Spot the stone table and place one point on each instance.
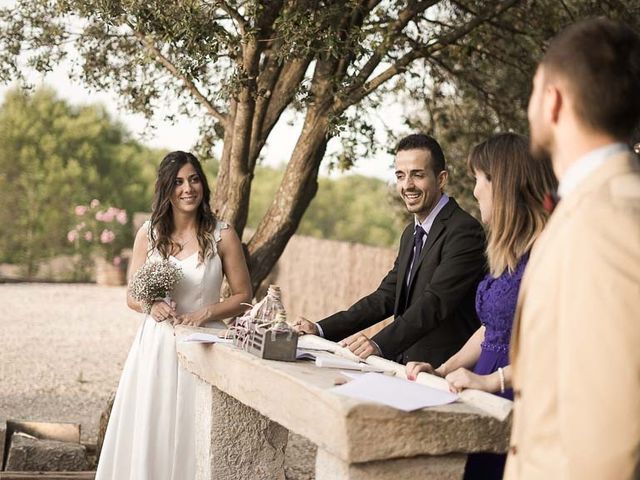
(245, 405)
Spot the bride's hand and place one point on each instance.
(161, 311)
(193, 319)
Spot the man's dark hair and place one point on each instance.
(601, 60)
(420, 141)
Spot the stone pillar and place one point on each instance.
(440, 467)
(234, 441)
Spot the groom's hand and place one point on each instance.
(361, 345)
(302, 326)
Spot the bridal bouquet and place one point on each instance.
(154, 281)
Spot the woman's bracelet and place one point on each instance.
(501, 375)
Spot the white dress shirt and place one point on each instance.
(581, 169)
(426, 226)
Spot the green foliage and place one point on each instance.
(53, 157)
(195, 52)
(481, 84)
(352, 208)
(239, 64)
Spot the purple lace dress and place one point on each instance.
(496, 300)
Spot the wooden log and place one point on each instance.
(62, 432)
(3, 437)
(47, 475)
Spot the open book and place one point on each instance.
(330, 360)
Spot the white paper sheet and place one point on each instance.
(394, 392)
(200, 337)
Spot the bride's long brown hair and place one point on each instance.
(162, 224)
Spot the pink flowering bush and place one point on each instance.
(101, 229)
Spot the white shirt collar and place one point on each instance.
(428, 222)
(581, 169)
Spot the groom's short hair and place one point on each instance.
(600, 59)
(420, 141)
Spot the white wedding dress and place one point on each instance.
(151, 431)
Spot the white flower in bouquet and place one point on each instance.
(154, 281)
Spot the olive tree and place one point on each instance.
(238, 65)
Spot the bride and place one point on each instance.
(150, 435)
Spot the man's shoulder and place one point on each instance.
(459, 217)
(618, 194)
(624, 188)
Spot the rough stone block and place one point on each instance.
(300, 458)
(27, 453)
(244, 444)
(441, 467)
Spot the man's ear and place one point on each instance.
(554, 103)
(443, 176)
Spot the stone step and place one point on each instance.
(27, 453)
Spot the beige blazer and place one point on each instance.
(576, 339)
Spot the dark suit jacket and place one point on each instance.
(440, 315)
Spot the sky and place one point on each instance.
(183, 134)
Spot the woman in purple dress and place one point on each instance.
(510, 187)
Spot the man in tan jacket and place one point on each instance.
(576, 340)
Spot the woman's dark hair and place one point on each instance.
(420, 141)
(162, 225)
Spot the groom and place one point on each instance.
(431, 288)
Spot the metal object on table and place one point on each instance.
(269, 344)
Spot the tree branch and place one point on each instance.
(356, 19)
(404, 18)
(505, 58)
(188, 83)
(253, 46)
(281, 94)
(508, 27)
(235, 15)
(401, 64)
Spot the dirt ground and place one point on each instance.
(62, 348)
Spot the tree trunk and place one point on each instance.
(298, 187)
(222, 183)
(232, 201)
